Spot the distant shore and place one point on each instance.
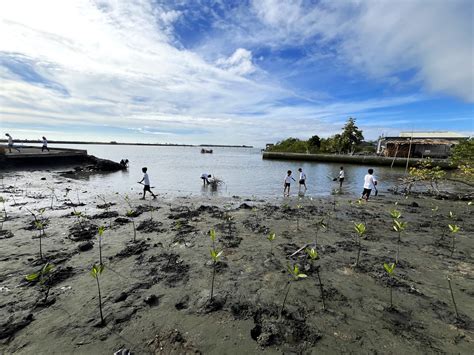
(27, 141)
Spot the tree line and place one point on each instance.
(349, 141)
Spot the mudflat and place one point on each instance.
(156, 290)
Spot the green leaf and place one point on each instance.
(101, 230)
(453, 228)
(47, 268)
(395, 214)
(97, 270)
(312, 253)
(360, 228)
(389, 268)
(271, 237)
(212, 235)
(32, 277)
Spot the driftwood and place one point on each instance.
(299, 250)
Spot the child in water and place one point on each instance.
(287, 183)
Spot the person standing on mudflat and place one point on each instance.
(287, 183)
(45, 145)
(146, 183)
(302, 180)
(369, 183)
(10, 143)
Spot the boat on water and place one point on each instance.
(206, 151)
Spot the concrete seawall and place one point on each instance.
(352, 159)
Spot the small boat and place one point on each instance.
(204, 151)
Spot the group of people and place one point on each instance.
(12, 146)
(370, 182)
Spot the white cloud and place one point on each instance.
(383, 38)
(240, 62)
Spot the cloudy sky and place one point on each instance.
(233, 72)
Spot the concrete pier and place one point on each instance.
(33, 156)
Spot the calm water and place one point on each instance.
(176, 171)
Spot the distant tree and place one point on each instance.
(350, 137)
(314, 143)
(291, 145)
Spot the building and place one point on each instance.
(419, 144)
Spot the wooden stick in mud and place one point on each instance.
(299, 250)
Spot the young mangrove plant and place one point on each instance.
(131, 214)
(271, 237)
(52, 196)
(389, 269)
(399, 227)
(321, 224)
(100, 231)
(452, 297)
(295, 276)
(433, 213)
(42, 278)
(215, 255)
(453, 229)
(39, 225)
(298, 209)
(96, 271)
(79, 216)
(360, 232)
(313, 256)
(3, 201)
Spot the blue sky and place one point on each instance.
(234, 72)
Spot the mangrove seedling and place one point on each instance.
(42, 278)
(321, 224)
(433, 213)
(360, 230)
(100, 231)
(295, 276)
(395, 214)
(95, 273)
(389, 268)
(131, 215)
(53, 196)
(399, 227)
(271, 237)
(452, 297)
(78, 215)
(215, 255)
(453, 229)
(212, 235)
(4, 210)
(313, 256)
(298, 208)
(39, 225)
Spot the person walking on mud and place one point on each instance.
(146, 183)
(10, 144)
(369, 183)
(45, 145)
(287, 183)
(302, 180)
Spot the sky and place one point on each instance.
(234, 72)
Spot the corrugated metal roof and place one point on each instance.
(432, 134)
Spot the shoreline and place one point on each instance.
(354, 159)
(156, 290)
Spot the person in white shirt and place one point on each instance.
(10, 143)
(205, 178)
(45, 145)
(341, 177)
(146, 184)
(369, 183)
(302, 180)
(287, 183)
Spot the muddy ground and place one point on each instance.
(155, 290)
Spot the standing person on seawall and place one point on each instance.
(45, 145)
(10, 143)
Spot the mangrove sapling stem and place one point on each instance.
(100, 303)
(321, 288)
(212, 282)
(96, 272)
(452, 297)
(134, 231)
(288, 286)
(389, 268)
(360, 230)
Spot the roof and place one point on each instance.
(420, 141)
(432, 134)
